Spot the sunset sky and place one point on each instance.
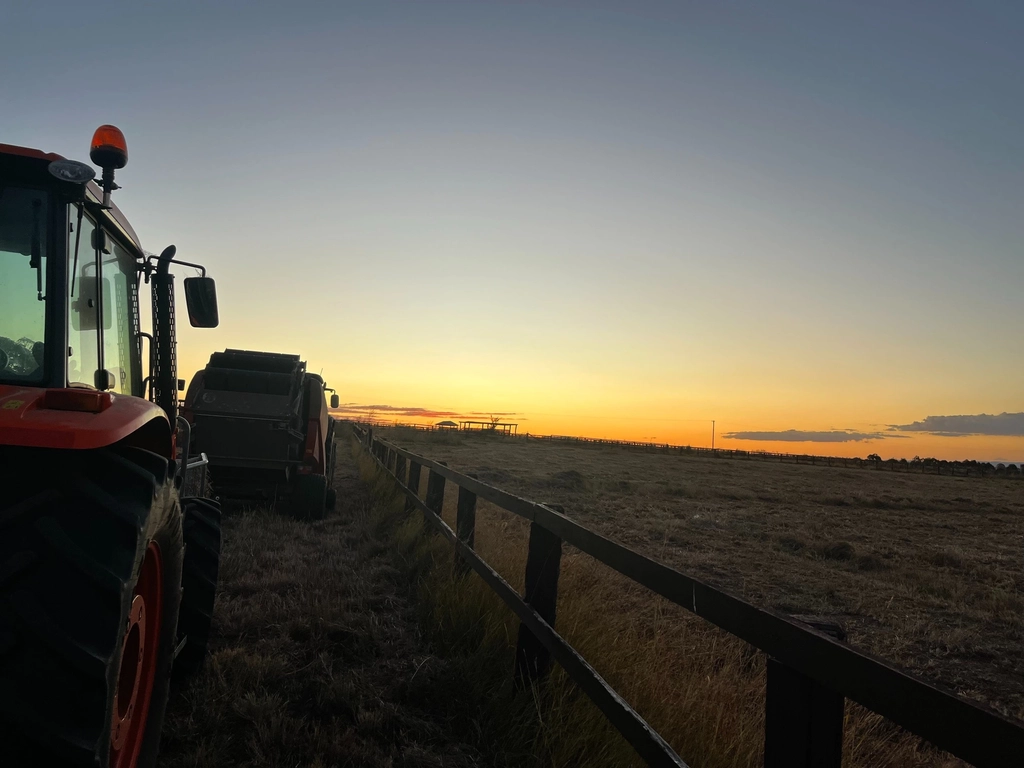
(803, 220)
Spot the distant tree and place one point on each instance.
(874, 457)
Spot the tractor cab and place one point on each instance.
(71, 267)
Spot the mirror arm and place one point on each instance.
(200, 267)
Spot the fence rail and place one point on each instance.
(810, 673)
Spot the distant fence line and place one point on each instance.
(921, 466)
(809, 672)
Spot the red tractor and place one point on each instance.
(107, 566)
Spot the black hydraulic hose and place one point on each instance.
(78, 241)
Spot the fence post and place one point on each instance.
(803, 725)
(465, 525)
(543, 562)
(400, 468)
(435, 492)
(414, 484)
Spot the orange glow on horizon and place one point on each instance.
(900, 445)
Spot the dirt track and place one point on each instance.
(317, 659)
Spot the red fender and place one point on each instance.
(314, 459)
(34, 417)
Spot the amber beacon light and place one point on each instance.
(109, 151)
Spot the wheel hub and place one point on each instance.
(139, 652)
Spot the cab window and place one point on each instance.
(23, 267)
(120, 285)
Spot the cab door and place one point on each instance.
(102, 311)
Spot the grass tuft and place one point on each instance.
(838, 550)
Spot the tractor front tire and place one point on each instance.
(90, 580)
(309, 500)
(201, 522)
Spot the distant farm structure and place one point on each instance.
(505, 427)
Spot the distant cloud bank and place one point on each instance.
(1003, 424)
(803, 436)
(396, 411)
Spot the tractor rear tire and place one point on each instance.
(201, 522)
(90, 580)
(309, 501)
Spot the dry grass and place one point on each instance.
(352, 641)
(317, 657)
(924, 570)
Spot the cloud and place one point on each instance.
(1003, 424)
(803, 436)
(395, 411)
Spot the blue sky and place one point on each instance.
(782, 216)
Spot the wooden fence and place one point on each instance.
(810, 673)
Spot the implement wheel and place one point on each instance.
(90, 579)
(201, 521)
(309, 499)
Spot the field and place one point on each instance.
(316, 656)
(353, 641)
(925, 571)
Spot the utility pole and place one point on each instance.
(712, 434)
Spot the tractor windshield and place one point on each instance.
(23, 263)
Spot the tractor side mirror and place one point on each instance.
(201, 299)
(335, 401)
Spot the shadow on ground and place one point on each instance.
(316, 655)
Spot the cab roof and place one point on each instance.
(93, 191)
